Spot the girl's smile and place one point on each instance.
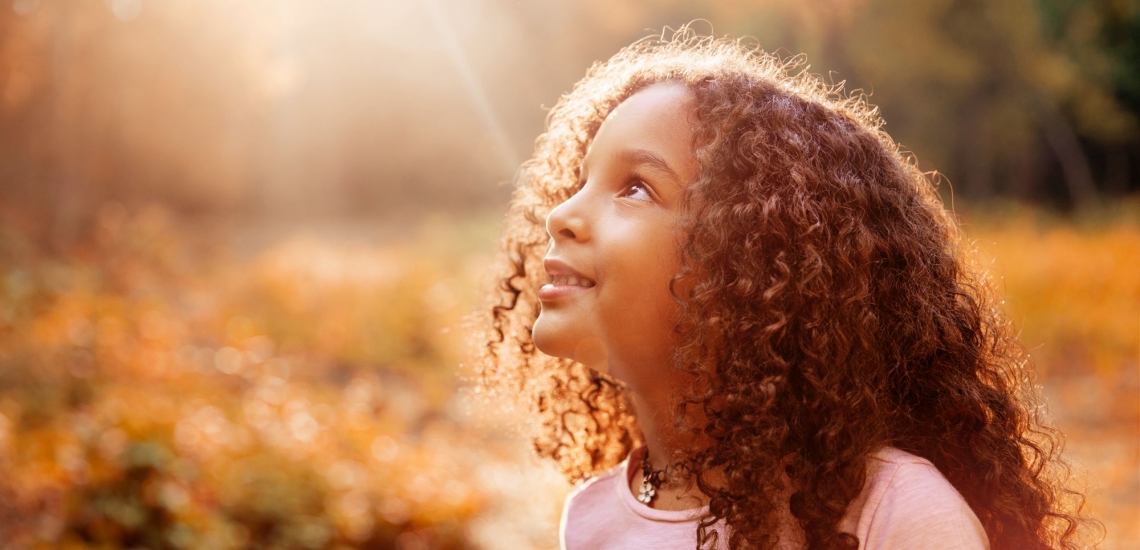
(614, 248)
(562, 281)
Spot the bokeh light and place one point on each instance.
(239, 239)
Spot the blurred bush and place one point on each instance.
(1072, 285)
(154, 396)
(1072, 288)
(156, 392)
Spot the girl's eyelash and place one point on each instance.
(636, 181)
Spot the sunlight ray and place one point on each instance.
(458, 57)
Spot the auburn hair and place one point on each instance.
(833, 307)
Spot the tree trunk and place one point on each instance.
(1063, 140)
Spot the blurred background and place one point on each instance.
(238, 239)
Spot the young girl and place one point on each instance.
(745, 320)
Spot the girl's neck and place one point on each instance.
(666, 444)
(663, 438)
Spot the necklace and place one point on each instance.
(650, 480)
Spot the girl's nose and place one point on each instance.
(567, 222)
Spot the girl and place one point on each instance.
(745, 320)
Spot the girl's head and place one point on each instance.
(749, 239)
(615, 245)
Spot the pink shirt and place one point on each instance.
(906, 504)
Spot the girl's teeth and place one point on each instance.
(571, 281)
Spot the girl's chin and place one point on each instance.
(551, 342)
(588, 350)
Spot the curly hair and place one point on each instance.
(832, 307)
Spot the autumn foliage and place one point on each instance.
(159, 393)
(156, 396)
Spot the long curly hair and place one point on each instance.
(832, 307)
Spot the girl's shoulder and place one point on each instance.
(601, 491)
(896, 473)
(600, 481)
(907, 503)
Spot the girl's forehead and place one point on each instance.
(653, 103)
(653, 127)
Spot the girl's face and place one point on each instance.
(614, 247)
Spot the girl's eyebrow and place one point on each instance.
(640, 157)
(653, 160)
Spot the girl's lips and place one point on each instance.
(564, 281)
(550, 292)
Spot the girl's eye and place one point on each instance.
(636, 190)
